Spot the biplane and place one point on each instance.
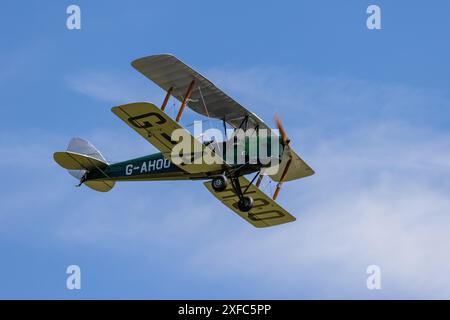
(224, 179)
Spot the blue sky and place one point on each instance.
(368, 110)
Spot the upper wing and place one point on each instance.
(207, 99)
(155, 126)
(265, 212)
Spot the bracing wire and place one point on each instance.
(206, 109)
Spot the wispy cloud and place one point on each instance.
(328, 103)
(114, 87)
(379, 195)
(359, 209)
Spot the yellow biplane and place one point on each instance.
(260, 152)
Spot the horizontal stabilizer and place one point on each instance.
(76, 161)
(81, 157)
(100, 185)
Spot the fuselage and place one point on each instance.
(158, 167)
(148, 168)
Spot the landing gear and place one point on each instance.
(219, 183)
(245, 204)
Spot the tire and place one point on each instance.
(219, 183)
(245, 204)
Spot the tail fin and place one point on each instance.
(82, 146)
(81, 156)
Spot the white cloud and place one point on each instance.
(353, 213)
(328, 102)
(379, 196)
(114, 87)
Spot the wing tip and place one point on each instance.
(273, 225)
(57, 156)
(137, 61)
(139, 103)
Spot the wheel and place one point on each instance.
(219, 183)
(245, 204)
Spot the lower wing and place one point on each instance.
(265, 212)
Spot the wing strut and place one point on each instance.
(260, 178)
(166, 99)
(277, 191)
(186, 97)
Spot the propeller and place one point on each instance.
(285, 142)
